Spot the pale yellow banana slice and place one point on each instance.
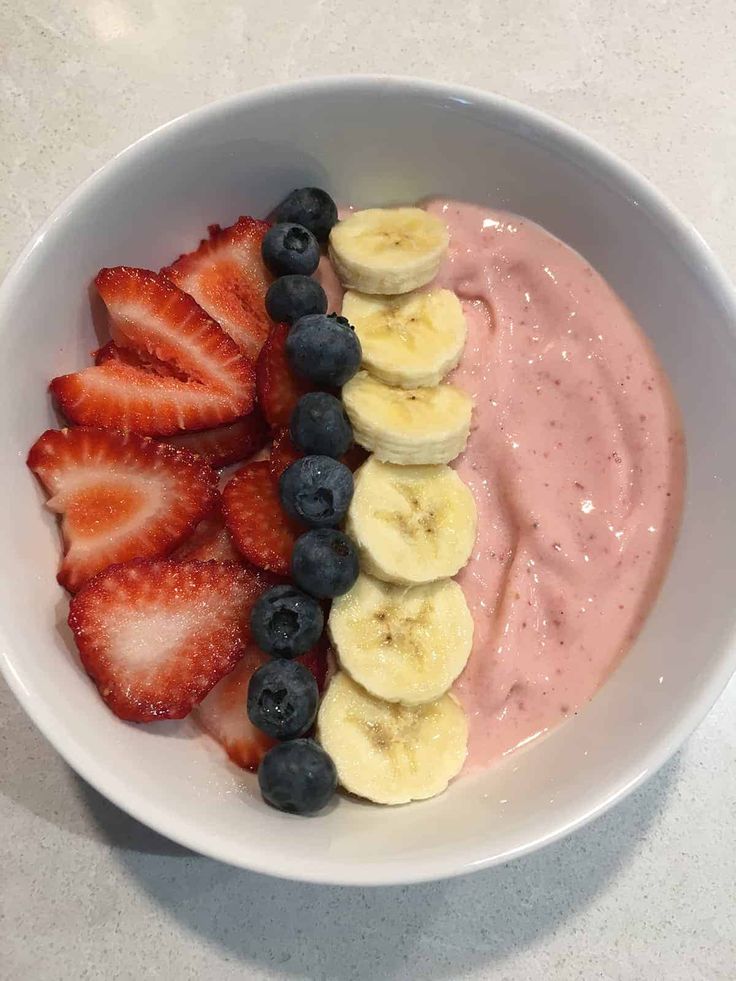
(411, 524)
(388, 250)
(408, 425)
(402, 643)
(387, 752)
(412, 340)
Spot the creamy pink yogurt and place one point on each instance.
(576, 461)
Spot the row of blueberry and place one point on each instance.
(297, 775)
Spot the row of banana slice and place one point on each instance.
(411, 339)
(404, 632)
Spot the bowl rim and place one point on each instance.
(439, 866)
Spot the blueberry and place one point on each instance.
(324, 349)
(292, 297)
(311, 207)
(324, 563)
(316, 490)
(282, 699)
(297, 777)
(319, 425)
(286, 622)
(289, 248)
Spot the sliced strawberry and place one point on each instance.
(255, 519)
(355, 457)
(316, 660)
(160, 321)
(210, 541)
(156, 636)
(111, 352)
(227, 278)
(119, 497)
(279, 389)
(132, 400)
(224, 445)
(283, 452)
(224, 716)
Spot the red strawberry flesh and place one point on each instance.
(227, 444)
(255, 519)
(158, 320)
(279, 389)
(227, 278)
(119, 497)
(119, 396)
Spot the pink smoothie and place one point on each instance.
(576, 461)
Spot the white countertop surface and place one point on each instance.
(649, 890)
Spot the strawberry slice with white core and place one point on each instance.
(116, 395)
(156, 636)
(119, 497)
(158, 320)
(227, 278)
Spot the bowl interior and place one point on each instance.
(374, 142)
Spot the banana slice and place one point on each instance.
(388, 250)
(411, 524)
(391, 753)
(411, 340)
(408, 425)
(402, 643)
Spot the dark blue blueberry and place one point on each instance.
(292, 297)
(311, 207)
(289, 248)
(319, 425)
(282, 699)
(324, 563)
(297, 777)
(316, 490)
(324, 349)
(286, 622)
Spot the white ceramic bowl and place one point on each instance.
(375, 141)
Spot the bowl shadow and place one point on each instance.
(300, 930)
(438, 929)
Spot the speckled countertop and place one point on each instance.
(649, 890)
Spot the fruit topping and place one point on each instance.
(290, 249)
(255, 519)
(227, 278)
(292, 297)
(298, 777)
(119, 497)
(286, 622)
(402, 643)
(324, 563)
(156, 636)
(408, 425)
(411, 524)
(388, 250)
(311, 207)
(282, 699)
(323, 348)
(227, 444)
(279, 389)
(316, 490)
(319, 425)
(388, 752)
(412, 340)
